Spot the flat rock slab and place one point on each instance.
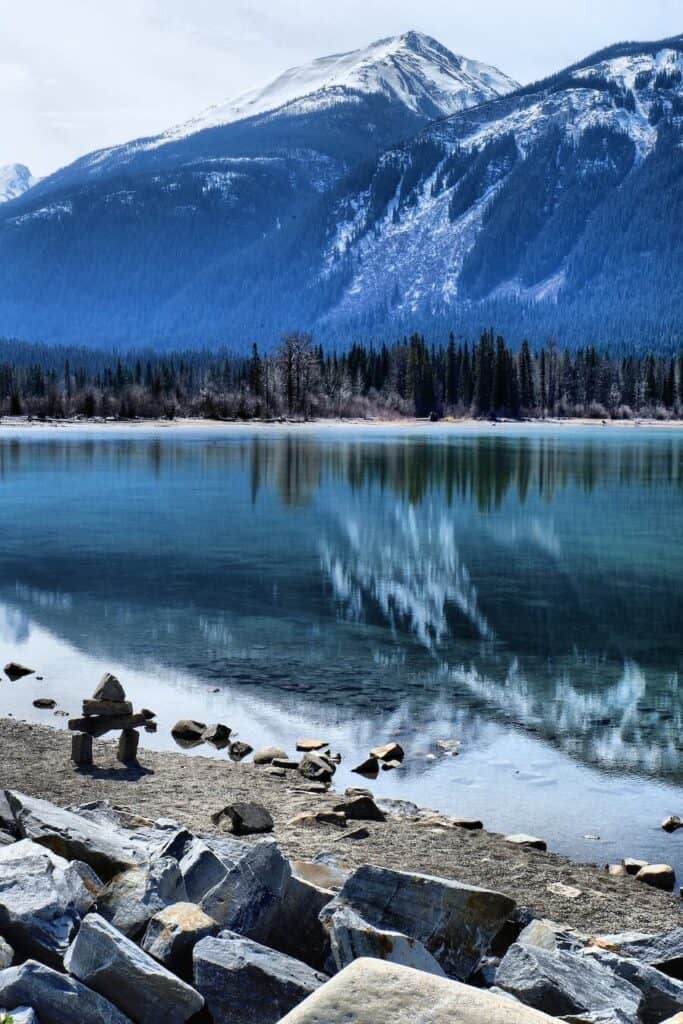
(246, 983)
(108, 708)
(374, 992)
(106, 849)
(109, 963)
(42, 900)
(56, 998)
(454, 922)
(99, 725)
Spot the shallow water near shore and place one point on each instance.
(517, 590)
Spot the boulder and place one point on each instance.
(109, 689)
(361, 808)
(351, 937)
(173, 933)
(107, 708)
(454, 922)
(663, 951)
(109, 963)
(56, 999)
(388, 752)
(561, 983)
(661, 996)
(531, 842)
(81, 748)
(238, 751)
(217, 735)
(188, 731)
(244, 819)
(254, 879)
(672, 823)
(42, 900)
(200, 867)
(659, 876)
(376, 992)
(368, 768)
(244, 982)
(127, 750)
(13, 670)
(266, 755)
(316, 768)
(134, 896)
(107, 850)
(632, 866)
(307, 746)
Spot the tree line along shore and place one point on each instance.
(300, 380)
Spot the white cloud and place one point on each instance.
(76, 75)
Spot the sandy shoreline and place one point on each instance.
(14, 424)
(36, 761)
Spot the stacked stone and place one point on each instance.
(107, 711)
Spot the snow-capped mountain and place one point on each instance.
(412, 69)
(371, 194)
(15, 179)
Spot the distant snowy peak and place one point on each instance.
(412, 69)
(15, 179)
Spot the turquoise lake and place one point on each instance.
(517, 589)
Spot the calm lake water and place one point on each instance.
(519, 590)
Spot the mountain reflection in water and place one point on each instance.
(526, 577)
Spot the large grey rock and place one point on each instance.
(453, 921)
(548, 935)
(562, 983)
(42, 900)
(134, 896)
(662, 950)
(352, 938)
(377, 992)
(662, 996)
(173, 933)
(6, 954)
(294, 926)
(254, 882)
(246, 983)
(107, 850)
(200, 867)
(56, 998)
(109, 963)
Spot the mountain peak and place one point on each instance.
(413, 69)
(15, 179)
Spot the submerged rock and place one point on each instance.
(238, 750)
(13, 670)
(455, 922)
(388, 752)
(56, 998)
(377, 992)
(188, 731)
(217, 735)
(369, 768)
(109, 963)
(44, 703)
(244, 982)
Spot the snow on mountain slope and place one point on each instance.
(410, 256)
(412, 69)
(15, 179)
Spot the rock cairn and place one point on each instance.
(108, 710)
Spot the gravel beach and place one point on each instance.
(36, 761)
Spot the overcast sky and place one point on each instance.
(79, 74)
